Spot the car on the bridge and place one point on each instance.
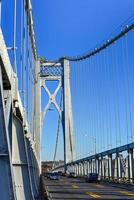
(48, 175)
(72, 175)
(92, 177)
(60, 173)
(54, 176)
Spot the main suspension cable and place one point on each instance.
(101, 47)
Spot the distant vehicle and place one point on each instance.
(64, 174)
(48, 175)
(60, 173)
(92, 177)
(72, 175)
(54, 176)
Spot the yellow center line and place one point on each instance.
(99, 186)
(127, 193)
(96, 196)
(75, 186)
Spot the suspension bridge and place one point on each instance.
(94, 100)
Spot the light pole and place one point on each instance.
(94, 140)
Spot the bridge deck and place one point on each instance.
(69, 188)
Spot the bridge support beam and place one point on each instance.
(113, 165)
(78, 168)
(37, 111)
(97, 165)
(131, 166)
(101, 168)
(32, 170)
(90, 166)
(7, 189)
(83, 168)
(119, 168)
(116, 171)
(67, 119)
(20, 163)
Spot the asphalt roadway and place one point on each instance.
(73, 188)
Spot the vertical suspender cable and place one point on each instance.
(96, 105)
(14, 37)
(117, 94)
(21, 51)
(125, 90)
(0, 11)
(58, 131)
(24, 57)
(114, 94)
(89, 104)
(128, 89)
(104, 99)
(107, 101)
(28, 71)
(99, 102)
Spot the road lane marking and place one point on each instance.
(100, 186)
(127, 193)
(96, 196)
(75, 186)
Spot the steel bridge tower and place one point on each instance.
(60, 72)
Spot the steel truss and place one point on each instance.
(112, 165)
(19, 169)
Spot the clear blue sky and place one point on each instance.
(71, 27)
(68, 27)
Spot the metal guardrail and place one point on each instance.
(109, 167)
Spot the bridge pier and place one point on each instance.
(110, 167)
(90, 166)
(131, 166)
(116, 167)
(86, 167)
(81, 169)
(97, 165)
(78, 168)
(67, 115)
(101, 168)
(119, 168)
(75, 168)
